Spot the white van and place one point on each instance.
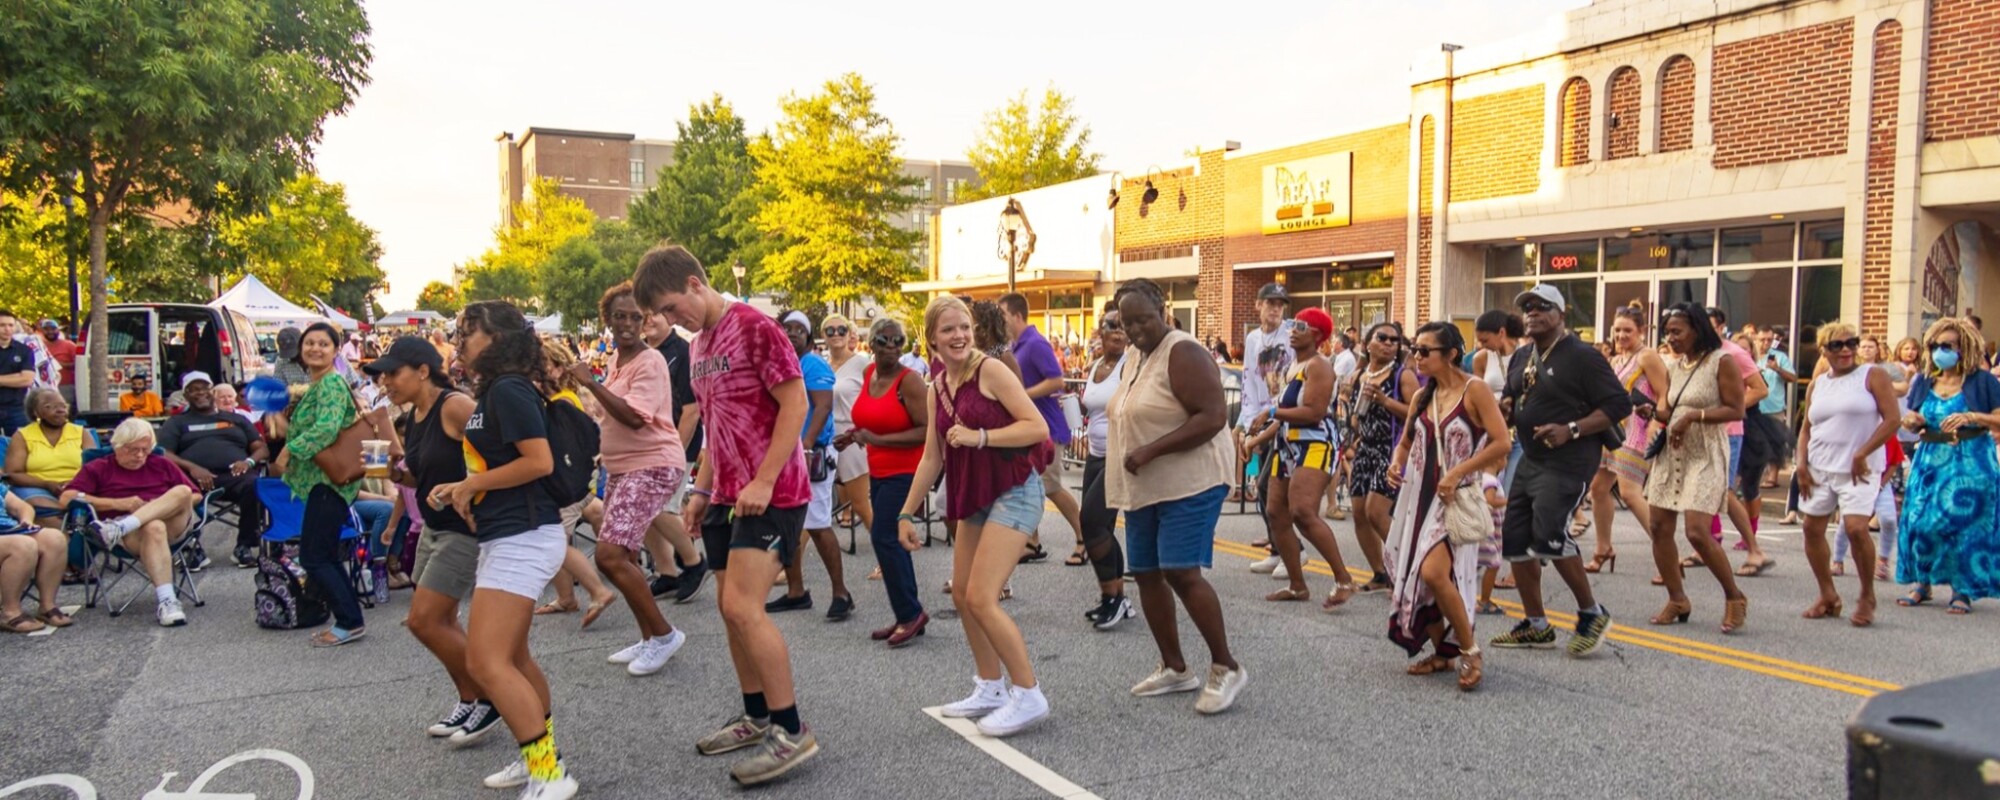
(167, 340)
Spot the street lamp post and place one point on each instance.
(738, 270)
(1020, 238)
(69, 249)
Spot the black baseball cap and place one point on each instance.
(406, 351)
(1274, 291)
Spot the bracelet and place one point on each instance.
(701, 492)
(982, 438)
(907, 518)
(1701, 416)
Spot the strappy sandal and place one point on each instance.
(1033, 552)
(1504, 582)
(554, 607)
(1864, 613)
(1916, 597)
(21, 623)
(1823, 609)
(1342, 592)
(1471, 669)
(1734, 614)
(1289, 595)
(1077, 558)
(1429, 666)
(1958, 605)
(1490, 608)
(590, 613)
(55, 618)
(1377, 584)
(1606, 562)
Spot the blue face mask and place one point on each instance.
(1944, 359)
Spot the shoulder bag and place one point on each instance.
(341, 460)
(1466, 518)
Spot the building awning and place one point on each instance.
(1319, 261)
(1031, 278)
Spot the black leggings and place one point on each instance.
(1099, 538)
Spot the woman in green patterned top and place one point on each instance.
(327, 408)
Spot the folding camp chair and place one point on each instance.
(100, 556)
(286, 516)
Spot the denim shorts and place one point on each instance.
(1020, 508)
(1176, 534)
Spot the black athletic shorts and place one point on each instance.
(777, 529)
(1539, 507)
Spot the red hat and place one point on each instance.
(1318, 320)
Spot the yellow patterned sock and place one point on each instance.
(540, 756)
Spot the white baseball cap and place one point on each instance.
(1546, 292)
(196, 375)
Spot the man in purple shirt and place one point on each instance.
(1042, 375)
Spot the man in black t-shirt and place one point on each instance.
(17, 373)
(219, 450)
(1566, 404)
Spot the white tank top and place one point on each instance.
(1844, 417)
(1097, 402)
(1496, 372)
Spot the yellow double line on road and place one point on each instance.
(1702, 651)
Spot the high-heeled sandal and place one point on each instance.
(1429, 666)
(1607, 562)
(1674, 613)
(1822, 609)
(1734, 613)
(1471, 669)
(1864, 613)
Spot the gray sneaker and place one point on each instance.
(1166, 681)
(1223, 685)
(736, 734)
(781, 753)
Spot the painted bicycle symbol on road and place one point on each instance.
(83, 789)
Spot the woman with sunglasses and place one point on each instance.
(1690, 476)
(1641, 371)
(1444, 450)
(1375, 403)
(890, 421)
(1100, 540)
(1850, 415)
(1303, 463)
(850, 471)
(1887, 501)
(1951, 517)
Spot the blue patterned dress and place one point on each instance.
(1951, 518)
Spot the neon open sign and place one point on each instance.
(1563, 263)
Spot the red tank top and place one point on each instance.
(882, 416)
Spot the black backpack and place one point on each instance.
(573, 443)
(285, 599)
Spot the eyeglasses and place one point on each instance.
(1946, 346)
(1843, 344)
(837, 330)
(1110, 325)
(888, 342)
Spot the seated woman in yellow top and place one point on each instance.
(45, 454)
(139, 402)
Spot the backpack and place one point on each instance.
(284, 601)
(573, 443)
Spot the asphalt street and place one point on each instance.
(1683, 711)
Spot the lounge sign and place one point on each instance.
(1308, 194)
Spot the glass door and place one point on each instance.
(1681, 290)
(1371, 310)
(1341, 309)
(1619, 294)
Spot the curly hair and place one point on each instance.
(515, 350)
(560, 358)
(1971, 345)
(989, 325)
(611, 295)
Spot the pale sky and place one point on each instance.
(1152, 80)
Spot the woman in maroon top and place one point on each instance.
(890, 419)
(990, 443)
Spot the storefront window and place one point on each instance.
(1760, 245)
(1660, 251)
(1510, 261)
(1819, 303)
(1760, 297)
(1569, 258)
(1308, 281)
(1822, 240)
(1381, 277)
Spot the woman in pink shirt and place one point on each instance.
(642, 451)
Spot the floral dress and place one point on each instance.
(1694, 476)
(1374, 432)
(1417, 525)
(1950, 531)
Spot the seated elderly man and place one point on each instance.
(29, 551)
(143, 503)
(219, 450)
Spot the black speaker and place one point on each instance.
(1930, 742)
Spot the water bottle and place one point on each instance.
(378, 574)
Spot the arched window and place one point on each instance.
(1621, 118)
(1676, 104)
(1573, 143)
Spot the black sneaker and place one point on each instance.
(1377, 584)
(842, 606)
(1590, 630)
(690, 581)
(245, 557)
(789, 603)
(1525, 635)
(1113, 611)
(663, 585)
(196, 559)
(477, 724)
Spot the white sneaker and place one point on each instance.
(658, 650)
(626, 655)
(1166, 681)
(1024, 708)
(986, 698)
(1280, 574)
(562, 788)
(1265, 566)
(170, 613)
(516, 774)
(110, 532)
(1223, 685)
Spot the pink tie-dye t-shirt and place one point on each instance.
(734, 365)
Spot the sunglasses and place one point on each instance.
(888, 342)
(1946, 346)
(1844, 344)
(1110, 325)
(1537, 308)
(1388, 339)
(837, 330)
(1425, 352)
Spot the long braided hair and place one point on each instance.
(1449, 338)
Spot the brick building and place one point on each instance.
(604, 170)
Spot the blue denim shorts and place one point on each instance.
(1020, 508)
(1176, 534)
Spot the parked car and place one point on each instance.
(167, 340)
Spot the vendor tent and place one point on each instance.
(344, 321)
(266, 309)
(549, 324)
(408, 319)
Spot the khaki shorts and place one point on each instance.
(447, 562)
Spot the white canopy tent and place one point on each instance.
(408, 319)
(267, 310)
(550, 324)
(344, 321)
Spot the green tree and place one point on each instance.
(699, 201)
(146, 104)
(581, 269)
(512, 269)
(833, 183)
(305, 242)
(441, 297)
(1021, 148)
(34, 274)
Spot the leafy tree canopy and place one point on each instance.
(1022, 147)
(700, 201)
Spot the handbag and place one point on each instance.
(1659, 442)
(1466, 519)
(341, 459)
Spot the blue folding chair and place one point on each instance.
(285, 517)
(99, 556)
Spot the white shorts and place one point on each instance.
(819, 512)
(523, 563)
(1837, 491)
(851, 463)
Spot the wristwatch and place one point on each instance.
(1574, 432)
